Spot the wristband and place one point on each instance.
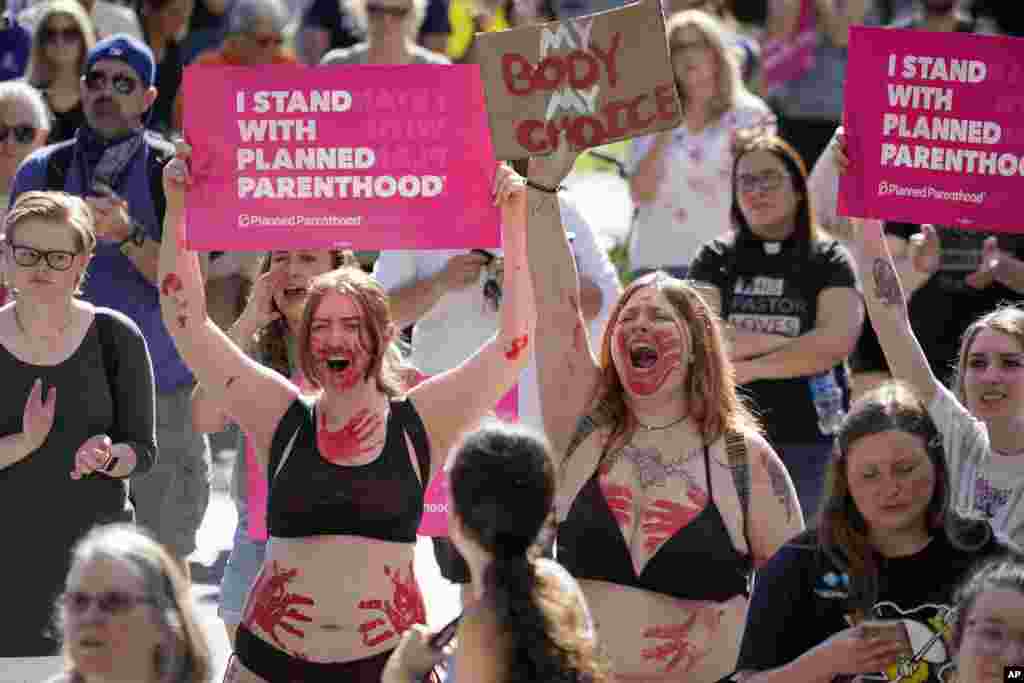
(542, 188)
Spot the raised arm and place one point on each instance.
(213, 358)
(567, 371)
(456, 400)
(887, 309)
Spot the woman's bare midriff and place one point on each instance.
(334, 598)
(655, 637)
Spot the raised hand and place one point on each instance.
(261, 311)
(987, 271)
(462, 270)
(92, 456)
(840, 155)
(181, 285)
(551, 170)
(177, 176)
(509, 192)
(37, 420)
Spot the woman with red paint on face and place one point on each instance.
(668, 494)
(347, 470)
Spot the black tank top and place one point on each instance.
(310, 496)
(699, 562)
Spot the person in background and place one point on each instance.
(789, 299)
(390, 37)
(15, 44)
(255, 36)
(990, 620)
(108, 18)
(162, 24)
(126, 613)
(78, 420)
(681, 179)
(529, 620)
(24, 128)
(59, 47)
(868, 593)
(114, 164)
(267, 329)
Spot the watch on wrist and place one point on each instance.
(137, 237)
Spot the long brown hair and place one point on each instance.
(39, 71)
(272, 340)
(805, 229)
(1006, 319)
(372, 299)
(843, 532)
(710, 388)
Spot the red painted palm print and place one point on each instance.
(620, 501)
(404, 609)
(355, 439)
(272, 607)
(684, 645)
(663, 518)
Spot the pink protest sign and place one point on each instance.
(934, 128)
(787, 58)
(367, 157)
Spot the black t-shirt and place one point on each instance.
(168, 81)
(800, 601)
(946, 305)
(773, 287)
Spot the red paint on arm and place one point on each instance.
(272, 607)
(665, 517)
(405, 608)
(171, 284)
(516, 346)
(352, 440)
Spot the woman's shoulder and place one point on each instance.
(356, 54)
(117, 320)
(425, 56)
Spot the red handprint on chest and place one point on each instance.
(404, 609)
(272, 607)
(358, 437)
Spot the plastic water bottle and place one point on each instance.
(828, 401)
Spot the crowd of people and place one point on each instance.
(825, 414)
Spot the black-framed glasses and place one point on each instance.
(97, 80)
(389, 10)
(65, 35)
(23, 134)
(767, 181)
(110, 603)
(56, 259)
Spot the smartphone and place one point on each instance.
(445, 635)
(483, 252)
(889, 629)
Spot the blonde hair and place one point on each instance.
(185, 656)
(54, 207)
(414, 22)
(1007, 319)
(730, 83)
(40, 70)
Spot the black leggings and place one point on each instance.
(274, 666)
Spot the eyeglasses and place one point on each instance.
(768, 181)
(110, 603)
(267, 41)
(23, 134)
(56, 259)
(389, 10)
(97, 80)
(64, 35)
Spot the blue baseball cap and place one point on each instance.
(129, 50)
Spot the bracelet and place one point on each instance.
(549, 190)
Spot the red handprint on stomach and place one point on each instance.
(682, 646)
(663, 518)
(403, 610)
(270, 604)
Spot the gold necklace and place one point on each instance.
(656, 428)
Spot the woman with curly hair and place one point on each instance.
(529, 620)
(266, 329)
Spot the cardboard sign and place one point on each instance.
(600, 78)
(366, 157)
(934, 129)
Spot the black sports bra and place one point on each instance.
(310, 496)
(699, 562)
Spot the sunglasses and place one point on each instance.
(27, 257)
(110, 603)
(389, 10)
(97, 80)
(65, 35)
(22, 134)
